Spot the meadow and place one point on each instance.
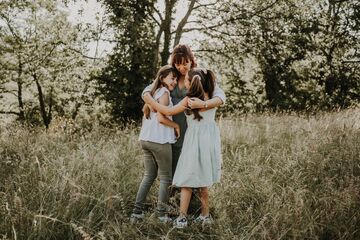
(285, 176)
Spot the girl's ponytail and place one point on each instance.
(202, 81)
(209, 84)
(196, 90)
(196, 86)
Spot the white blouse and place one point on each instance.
(152, 130)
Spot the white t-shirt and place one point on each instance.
(152, 130)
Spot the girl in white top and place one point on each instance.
(156, 136)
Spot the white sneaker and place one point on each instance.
(165, 219)
(136, 217)
(180, 222)
(204, 220)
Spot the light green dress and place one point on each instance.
(200, 159)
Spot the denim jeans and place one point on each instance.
(157, 160)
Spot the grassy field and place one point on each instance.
(284, 177)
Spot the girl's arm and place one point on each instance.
(217, 100)
(178, 108)
(164, 100)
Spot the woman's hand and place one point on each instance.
(194, 103)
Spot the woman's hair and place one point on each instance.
(182, 52)
(201, 81)
(158, 82)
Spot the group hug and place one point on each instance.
(179, 138)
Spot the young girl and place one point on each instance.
(156, 136)
(199, 164)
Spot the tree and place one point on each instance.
(131, 65)
(144, 37)
(44, 54)
(299, 48)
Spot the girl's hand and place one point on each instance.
(177, 132)
(194, 103)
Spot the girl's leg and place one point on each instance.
(148, 179)
(162, 153)
(204, 197)
(185, 200)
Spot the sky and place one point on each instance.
(85, 11)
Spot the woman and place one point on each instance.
(182, 58)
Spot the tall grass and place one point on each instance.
(284, 177)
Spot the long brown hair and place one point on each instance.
(182, 52)
(158, 82)
(201, 81)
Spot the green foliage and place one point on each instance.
(131, 65)
(279, 55)
(300, 50)
(284, 176)
(44, 68)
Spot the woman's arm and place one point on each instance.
(164, 100)
(217, 100)
(208, 104)
(178, 108)
(147, 91)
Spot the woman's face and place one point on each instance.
(170, 81)
(183, 67)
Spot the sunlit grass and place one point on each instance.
(284, 177)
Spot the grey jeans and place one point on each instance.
(157, 160)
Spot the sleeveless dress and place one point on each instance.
(200, 159)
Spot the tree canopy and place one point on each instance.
(278, 55)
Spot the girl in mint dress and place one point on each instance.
(199, 164)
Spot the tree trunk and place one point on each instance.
(157, 49)
(41, 102)
(20, 101)
(169, 6)
(49, 114)
(182, 23)
(19, 94)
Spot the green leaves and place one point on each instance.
(132, 65)
(44, 57)
(283, 38)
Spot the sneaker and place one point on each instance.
(136, 217)
(204, 219)
(165, 219)
(180, 222)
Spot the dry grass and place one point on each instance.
(284, 177)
